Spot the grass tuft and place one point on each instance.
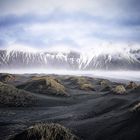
(119, 89)
(11, 96)
(45, 85)
(46, 132)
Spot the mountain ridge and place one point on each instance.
(72, 60)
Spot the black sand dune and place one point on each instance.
(103, 110)
(11, 96)
(44, 85)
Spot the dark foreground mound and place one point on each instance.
(44, 85)
(11, 96)
(46, 132)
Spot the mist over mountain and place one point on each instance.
(124, 59)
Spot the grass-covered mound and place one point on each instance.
(105, 85)
(131, 85)
(7, 78)
(81, 83)
(46, 132)
(119, 89)
(11, 96)
(45, 85)
(136, 90)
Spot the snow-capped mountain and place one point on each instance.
(126, 59)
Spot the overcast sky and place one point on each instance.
(72, 23)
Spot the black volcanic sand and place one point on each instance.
(94, 112)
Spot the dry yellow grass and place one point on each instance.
(104, 83)
(136, 108)
(46, 132)
(82, 83)
(45, 85)
(120, 89)
(87, 87)
(131, 85)
(11, 96)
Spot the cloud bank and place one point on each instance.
(74, 24)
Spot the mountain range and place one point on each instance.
(127, 59)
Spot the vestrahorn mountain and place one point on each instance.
(72, 60)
